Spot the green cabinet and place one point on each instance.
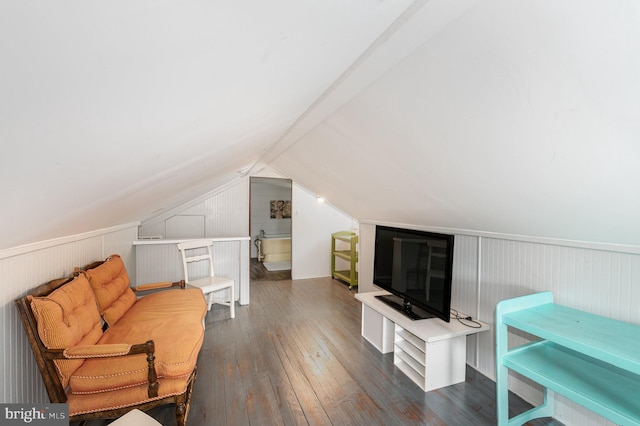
(344, 246)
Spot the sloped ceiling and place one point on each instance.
(113, 111)
(517, 118)
(501, 116)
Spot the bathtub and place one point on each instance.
(274, 248)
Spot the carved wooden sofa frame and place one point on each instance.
(157, 381)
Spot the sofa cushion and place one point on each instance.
(110, 282)
(172, 319)
(68, 317)
(94, 402)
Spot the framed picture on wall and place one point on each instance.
(280, 209)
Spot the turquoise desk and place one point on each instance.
(592, 360)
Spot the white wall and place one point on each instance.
(26, 267)
(226, 213)
(597, 278)
(223, 213)
(313, 223)
(158, 261)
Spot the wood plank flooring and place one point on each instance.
(294, 356)
(259, 273)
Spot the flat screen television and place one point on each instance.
(415, 267)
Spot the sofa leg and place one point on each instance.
(181, 414)
(183, 401)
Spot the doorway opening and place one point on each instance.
(270, 228)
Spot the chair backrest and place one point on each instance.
(194, 252)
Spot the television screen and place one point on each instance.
(415, 266)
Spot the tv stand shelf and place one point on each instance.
(431, 352)
(587, 358)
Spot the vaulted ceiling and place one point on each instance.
(500, 116)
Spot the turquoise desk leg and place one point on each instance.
(502, 373)
(502, 376)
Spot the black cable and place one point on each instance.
(474, 323)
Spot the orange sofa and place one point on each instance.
(104, 351)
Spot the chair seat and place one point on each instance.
(209, 284)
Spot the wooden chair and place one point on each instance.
(198, 252)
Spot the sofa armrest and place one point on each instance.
(97, 351)
(113, 350)
(160, 285)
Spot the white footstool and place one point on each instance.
(136, 417)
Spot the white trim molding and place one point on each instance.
(27, 248)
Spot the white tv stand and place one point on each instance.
(431, 352)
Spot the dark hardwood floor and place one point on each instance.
(294, 356)
(259, 273)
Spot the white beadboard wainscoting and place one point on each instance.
(598, 278)
(160, 260)
(23, 268)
